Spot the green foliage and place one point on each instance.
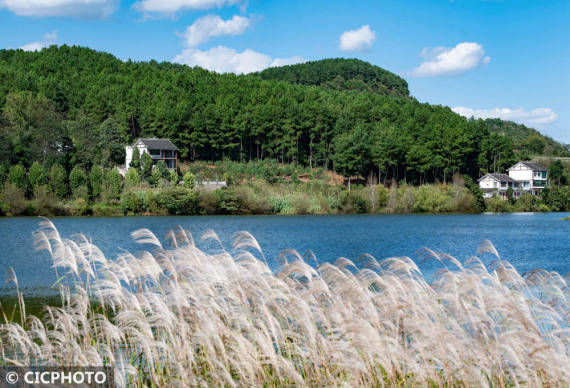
(478, 200)
(113, 185)
(227, 201)
(136, 161)
(189, 180)
(131, 202)
(209, 116)
(96, 181)
(3, 175)
(430, 199)
(496, 204)
(527, 203)
(17, 176)
(80, 207)
(173, 177)
(179, 200)
(159, 173)
(77, 180)
(557, 198)
(132, 178)
(511, 195)
(37, 176)
(146, 166)
(12, 200)
(556, 173)
(340, 74)
(58, 181)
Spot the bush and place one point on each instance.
(226, 201)
(173, 177)
(251, 202)
(496, 205)
(17, 176)
(281, 204)
(13, 201)
(132, 178)
(113, 185)
(131, 202)
(104, 209)
(429, 199)
(557, 198)
(179, 200)
(96, 181)
(37, 176)
(189, 180)
(527, 203)
(58, 181)
(47, 203)
(207, 201)
(77, 179)
(80, 207)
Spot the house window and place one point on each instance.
(495, 184)
(155, 152)
(503, 184)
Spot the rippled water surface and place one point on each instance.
(529, 241)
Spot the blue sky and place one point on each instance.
(508, 59)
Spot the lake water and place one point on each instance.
(527, 240)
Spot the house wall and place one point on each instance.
(520, 172)
(489, 183)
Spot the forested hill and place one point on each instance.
(527, 138)
(341, 74)
(74, 105)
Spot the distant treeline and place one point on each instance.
(76, 106)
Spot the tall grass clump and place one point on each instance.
(178, 316)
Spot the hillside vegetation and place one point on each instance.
(78, 107)
(341, 74)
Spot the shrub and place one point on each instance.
(251, 202)
(113, 185)
(47, 203)
(173, 177)
(226, 201)
(13, 200)
(496, 204)
(207, 201)
(146, 166)
(281, 204)
(58, 181)
(80, 207)
(151, 202)
(301, 204)
(557, 198)
(77, 179)
(96, 181)
(179, 200)
(3, 175)
(527, 203)
(37, 176)
(381, 195)
(132, 178)
(105, 209)
(131, 202)
(17, 176)
(189, 180)
(429, 199)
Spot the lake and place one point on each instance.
(527, 240)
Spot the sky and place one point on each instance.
(484, 58)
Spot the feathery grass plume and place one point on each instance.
(180, 316)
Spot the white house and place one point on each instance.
(523, 178)
(158, 149)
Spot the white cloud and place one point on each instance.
(170, 7)
(47, 8)
(357, 40)
(451, 61)
(534, 118)
(212, 25)
(47, 40)
(226, 60)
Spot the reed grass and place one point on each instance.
(178, 316)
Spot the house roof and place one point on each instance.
(532, 165)
(498, 177)
(157, 144)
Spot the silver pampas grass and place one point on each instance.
(181, 317)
